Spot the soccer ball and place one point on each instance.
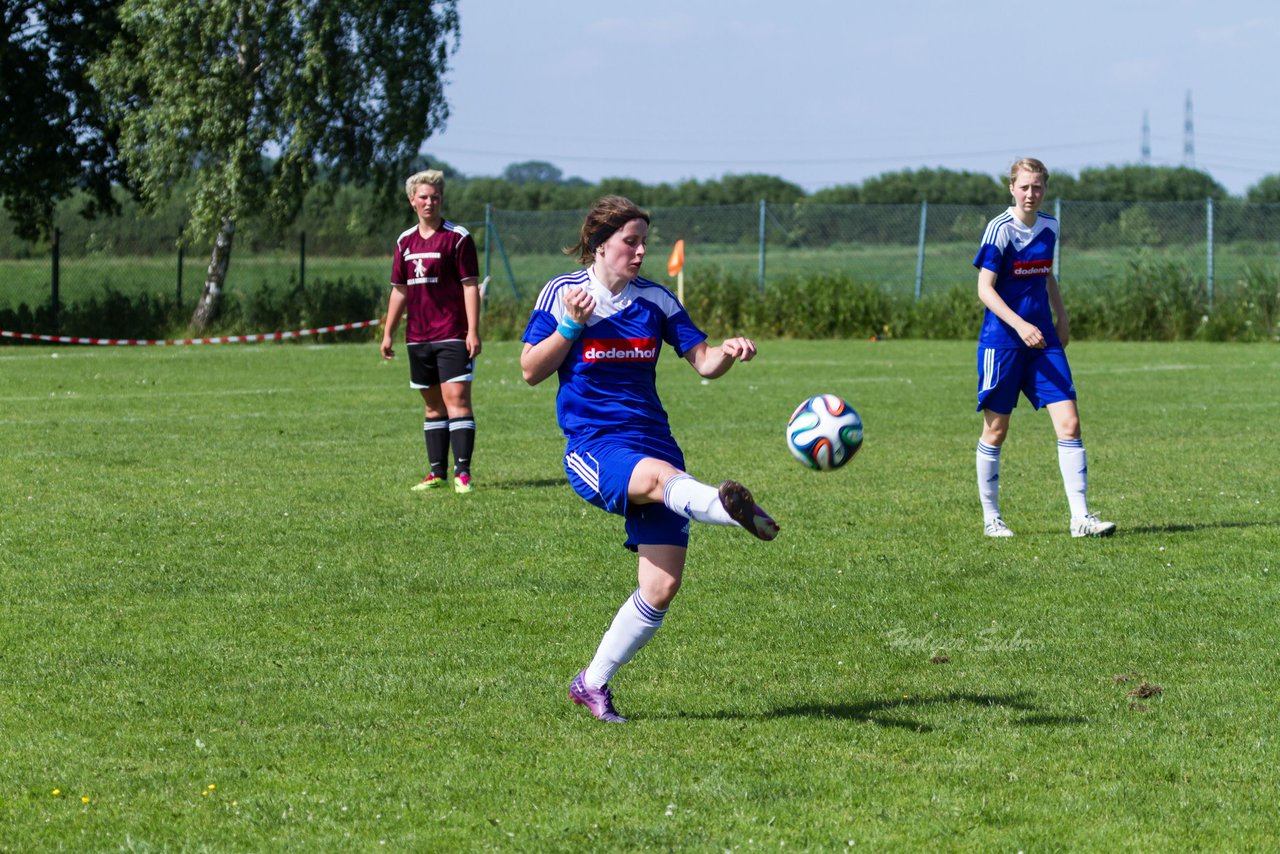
(824, 432)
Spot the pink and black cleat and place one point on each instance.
(599, 701)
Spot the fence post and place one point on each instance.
(1208, 210)
(924, 220)
(302, 260)
(1057, 244)
(179, 269)
(763, 212)
(488, 233)
(506, 261)
(55, 252)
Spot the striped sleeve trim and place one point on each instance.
(550, 294)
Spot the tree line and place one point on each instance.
(349, 218)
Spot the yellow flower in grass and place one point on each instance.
(56, 792)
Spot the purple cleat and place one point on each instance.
(744, 510)
(599, 701)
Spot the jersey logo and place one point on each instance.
(1032, 268)
(620, 350)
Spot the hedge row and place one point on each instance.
(1153, 301)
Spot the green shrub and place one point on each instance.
(1245, 310)
(1154, 301)
(952, 314)
(321, 303)
(108, 315)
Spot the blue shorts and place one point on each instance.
(600, 470)
(1042, 375)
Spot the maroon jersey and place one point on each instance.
(432, 270)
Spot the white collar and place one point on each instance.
(607, 303)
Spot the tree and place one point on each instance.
(936, 186)
(55, 138)
(751, 188)
(1265, 191)
(206, 90)
(842, 194)
(532, 172)
(1145, 184)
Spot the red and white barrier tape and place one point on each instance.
(229, 339)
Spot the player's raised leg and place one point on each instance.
(731, 503)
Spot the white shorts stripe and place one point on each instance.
(990, 369)
(588, 471)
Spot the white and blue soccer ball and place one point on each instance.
(824, 432)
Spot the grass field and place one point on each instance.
(227, 624)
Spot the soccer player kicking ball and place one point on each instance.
(601, 330)
(1021, 347)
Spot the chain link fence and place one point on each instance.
(907, 250)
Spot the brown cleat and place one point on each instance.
(744, 510)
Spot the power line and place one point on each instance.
(816, 161)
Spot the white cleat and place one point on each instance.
(1091, 526)
(996, 527)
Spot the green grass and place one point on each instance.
(228, 624)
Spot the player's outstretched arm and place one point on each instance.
(712, 362)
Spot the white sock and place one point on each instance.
(989, 480)
(695, 500)
(635, 623)
(1075, 475)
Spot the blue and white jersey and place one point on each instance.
(1021, 257)
(608, 379)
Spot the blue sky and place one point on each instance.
(825, 93)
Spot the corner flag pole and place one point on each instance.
(675, 267)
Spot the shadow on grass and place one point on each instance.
(894, 713)
(520, 483)
(1198, 526)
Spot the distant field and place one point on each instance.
(80, 278)
(228, 625)
(892, 267)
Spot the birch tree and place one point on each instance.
(241, 102)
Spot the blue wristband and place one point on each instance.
(570, 328)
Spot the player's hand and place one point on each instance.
(579, 305)
(1031, 336)
(1064, 331)
(387, 351)
(742, 349)
(473, 345)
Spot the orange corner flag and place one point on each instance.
(676, 262)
